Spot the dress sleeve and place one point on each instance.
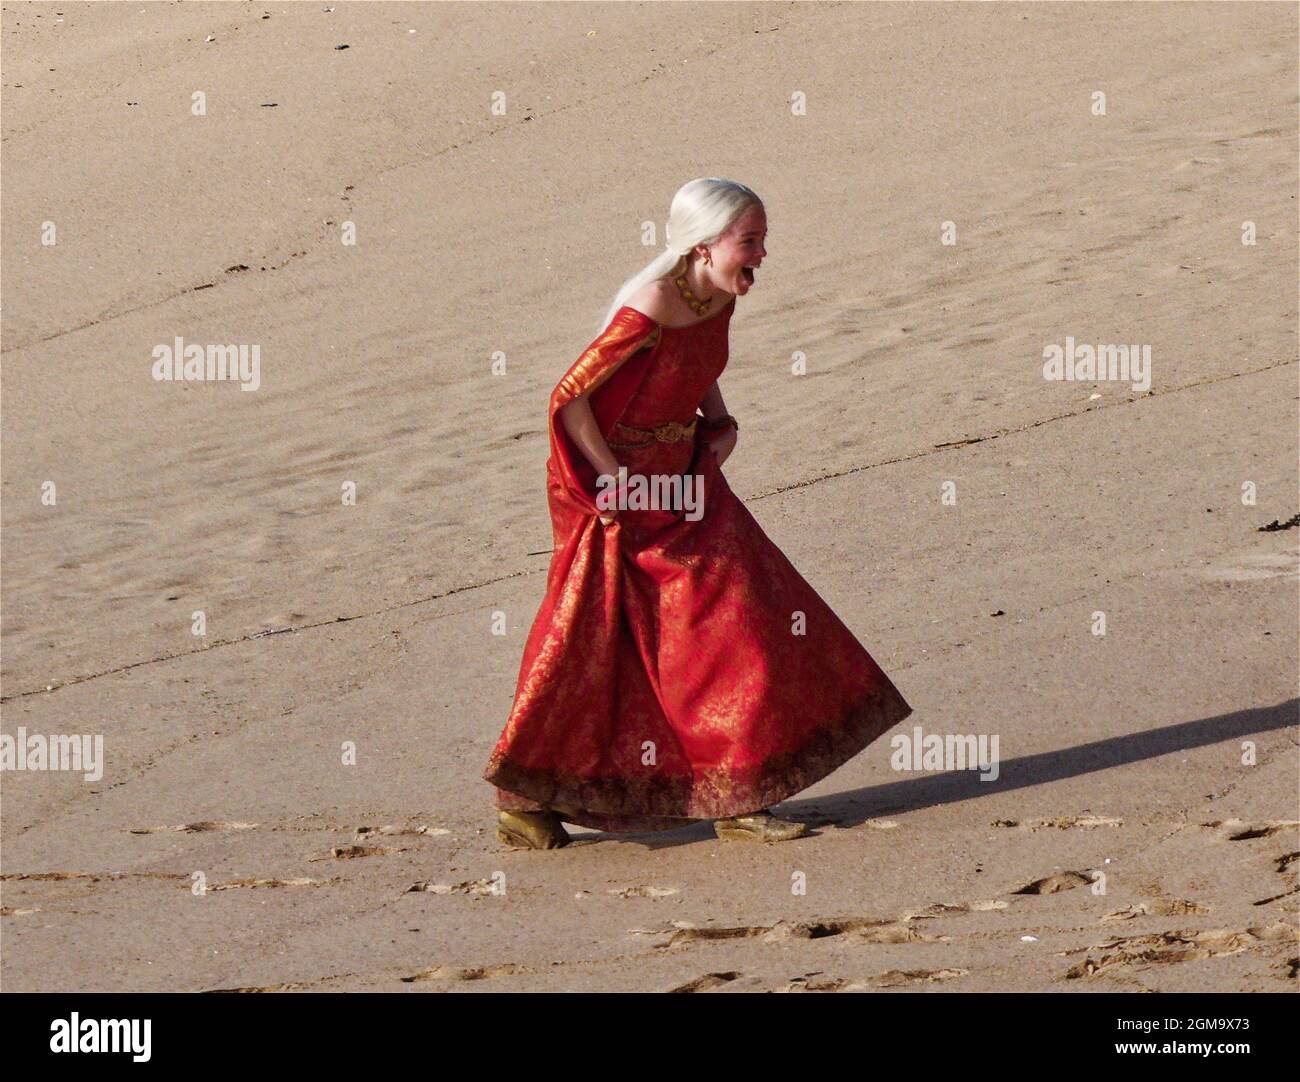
(628, 333)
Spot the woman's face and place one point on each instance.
(739, 248)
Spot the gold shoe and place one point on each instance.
(531, 830)
(759, 826)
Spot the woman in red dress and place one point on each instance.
(679, 667)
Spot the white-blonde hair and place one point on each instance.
(701, 211)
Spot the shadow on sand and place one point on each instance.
(854, 807)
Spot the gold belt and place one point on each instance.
(672, 432)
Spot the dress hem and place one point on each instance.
(658, 803)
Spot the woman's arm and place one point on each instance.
(580, 423)
(713, 408)
(722, 441)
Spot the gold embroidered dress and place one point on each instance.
(665, 677)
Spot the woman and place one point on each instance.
(679, 668)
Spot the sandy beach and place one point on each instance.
(291, 798)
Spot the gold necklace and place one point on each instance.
(685, 290)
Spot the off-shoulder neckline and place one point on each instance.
(685, 326)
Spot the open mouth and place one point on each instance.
(747, 273)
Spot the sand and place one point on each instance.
(1142, 832)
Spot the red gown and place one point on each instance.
(663, 679)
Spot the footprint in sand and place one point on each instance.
(1071, 822)
(1163, 948)
(252, 883)
(1239, 830)
(644, 892)
(475, 886)
(1158, 907)
(354, 852)
(465, 973)
(362, 833)
(893, 978)
(195, 828)
(703, 984)
(860, 929)
(1054, 884)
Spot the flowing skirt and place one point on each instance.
(681, 670)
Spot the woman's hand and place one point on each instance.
(723, 444)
